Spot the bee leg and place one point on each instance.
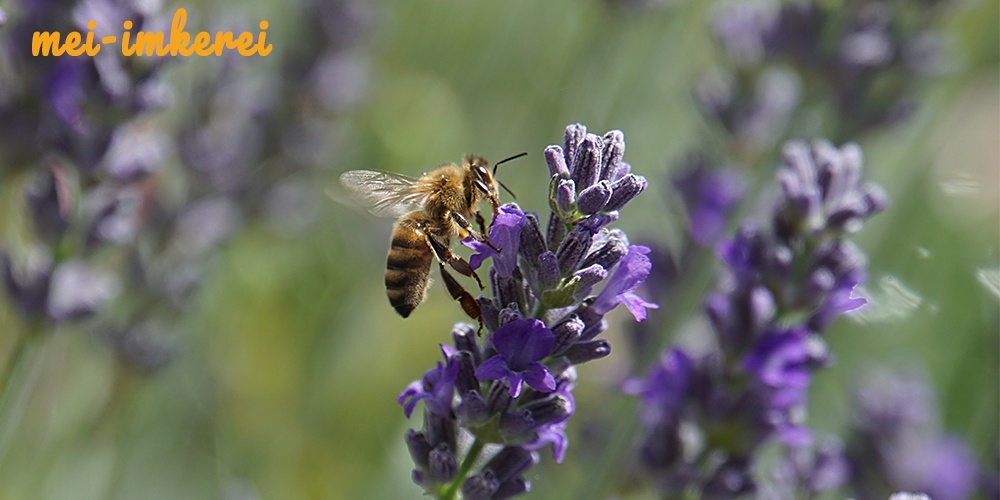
(476, 235)
(444, 254)
(464, 298)
(481, 222)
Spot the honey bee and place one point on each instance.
(430, 211)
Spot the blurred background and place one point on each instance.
(193, 310)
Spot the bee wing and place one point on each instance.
(384, 194)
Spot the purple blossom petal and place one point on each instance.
(664, 388)
(435, 389)
(410, 396)
(637, 305)
(516, 382)
(65, 91)
(539, 378)
(555, 434)
(523, 342)
(520, 344)
(505, 234)
(942, 467)
(795, 436)
(492, 369)
(779, 359)
(709, 195)
(631, 272)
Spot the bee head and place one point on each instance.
(479, 178)
(485, 181)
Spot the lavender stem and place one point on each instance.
(16, 363)
(463, 470)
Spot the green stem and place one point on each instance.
(463, 470)
(12, 365)
(15, 364)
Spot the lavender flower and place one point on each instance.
(865, 54)
(435, 389)
(512, 391)
(520, 344)
(99, 194)
(709, 195)
(897, 445)
(87, 137)
(784, 285)
(631, 272)
(505, 233)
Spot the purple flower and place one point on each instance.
(555, 434)
(897, 444)
(505, 234)
(786, 281)
(542, 319)
(943, 467)
(745, 29)
(746, 253)
(520, 345)
(840, 300)
(664, 388)
(782, 359)
(631, 272)
(891, 405)
(709, 195)
(77, 290)
(65, 90)
(853, 50)
(435, 389)
(822, 187)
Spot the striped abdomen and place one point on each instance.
(407, 268)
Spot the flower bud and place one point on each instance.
(480, 486)
(419, 449)
(566, 333)
(624, 189)
(573, 139)
(442, 464)
(510, 462)
(532, 243)
(548, 270)
(566, 196)
(587, 351)
(593, 199)
(611, 157)
(557, 162)
(587, 162)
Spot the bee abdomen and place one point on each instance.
(407, 269)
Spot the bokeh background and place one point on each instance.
(270, 363)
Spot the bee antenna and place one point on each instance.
(505, 160)
(505, 188)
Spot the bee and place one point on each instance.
(431, 211)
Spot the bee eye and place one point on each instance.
(481, 171)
